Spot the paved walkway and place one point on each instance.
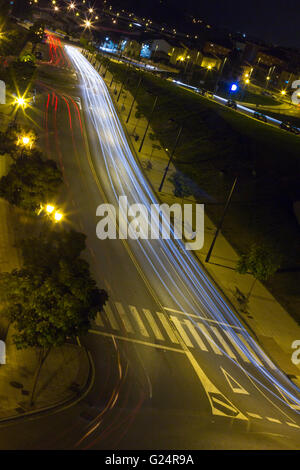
(274, 328)
(66, 370)
(63, 376)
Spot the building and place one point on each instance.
(220, 48)
(132, 49)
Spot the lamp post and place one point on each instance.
(134, 99)
(170, 159)
(220, 74)
(20, 102)
(148, 124)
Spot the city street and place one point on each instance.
(174, 367)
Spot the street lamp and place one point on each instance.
(24, 141)
(58, 216)
(170, 159)
(19, 102)
(87, 23)
(49, 208)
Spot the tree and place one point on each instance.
(53, 297)
(182, 185)
(31, 182)
(11, 140)
(261, 261)
(20, 75)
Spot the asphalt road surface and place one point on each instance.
(174, 368)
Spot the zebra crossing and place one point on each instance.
(177, 328)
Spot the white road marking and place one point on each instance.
(139, 321)
(293, 425)
(236, 346)
(181, 331)
(201, 318)
(124, 318)
(138, 341)
(213, 345)
(167, 327)
(98, 320)
(254, 415)
(273, 420)
(218, 401)
(249, 349)
(233, 383)
(223, 342)
(111, 318)
(153, 324)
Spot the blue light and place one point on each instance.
(145, 51)
(233, 87)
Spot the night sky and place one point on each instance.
(273, 21)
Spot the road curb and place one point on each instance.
(62, 405)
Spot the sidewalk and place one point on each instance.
(66, 370)
(272, 325)
(63, 376)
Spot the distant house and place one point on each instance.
(271, 57)
(218, 48)
(132, 49)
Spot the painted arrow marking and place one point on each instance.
(220, 405)
(234, 385)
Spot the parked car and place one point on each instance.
(287, 126)
(231, 104)
(260, 116)
(201, 91)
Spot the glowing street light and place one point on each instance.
(247, 81)
(87, 23)
(49, 208)
(20, 102)
(283, 92)
(25, 140)
(91, 10)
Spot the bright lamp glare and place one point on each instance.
(57, 216)
(25, 140)
(49, 208)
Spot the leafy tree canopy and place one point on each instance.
(30, 182)
(261, 261)
(53, 297)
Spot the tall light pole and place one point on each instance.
(133, 101)
(220, 74)
(170, 159)
(221, 221)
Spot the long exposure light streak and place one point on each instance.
(173, 273)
